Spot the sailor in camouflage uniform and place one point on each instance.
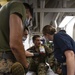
(38, 63)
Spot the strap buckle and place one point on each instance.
(63, 64)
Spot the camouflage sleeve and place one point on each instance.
(31, 49)
(48, 50)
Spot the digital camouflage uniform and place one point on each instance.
(55, 66)
(7, 59)
(38, 64)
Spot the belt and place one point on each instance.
(7, 55)
(63, 64)
(5, 50)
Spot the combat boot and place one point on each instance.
(17, 69)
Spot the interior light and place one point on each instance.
(65, 21)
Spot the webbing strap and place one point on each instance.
(5, 50)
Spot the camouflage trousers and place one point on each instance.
(5, 66)
(37, 67)
(42, 69)
(9, 66)
(49, 72)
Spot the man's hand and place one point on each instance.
(27, 65)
